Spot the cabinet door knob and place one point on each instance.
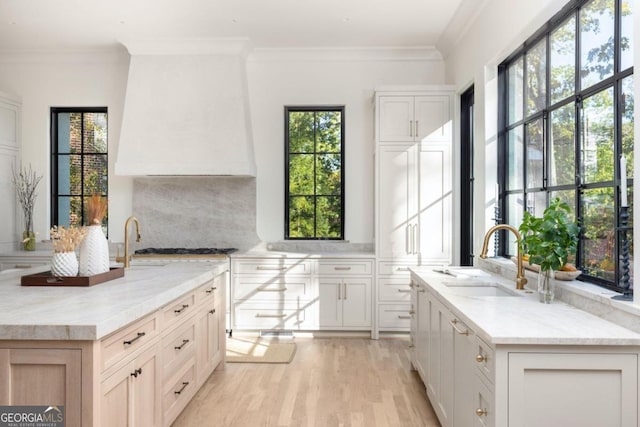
(481, 412)
(481, 358)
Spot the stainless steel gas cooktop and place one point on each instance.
(183, 253)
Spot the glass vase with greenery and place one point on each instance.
(26, 182)
(549, 241)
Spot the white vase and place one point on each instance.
(94, 252)
(64, 264)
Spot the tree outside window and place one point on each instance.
(314, 145)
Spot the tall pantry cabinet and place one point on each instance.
(413, 190)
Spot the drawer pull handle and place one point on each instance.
(342, 268)
(404, 291)
(184, 385)
(212, 311)
(272, 290)
(137, 372)
(180, 310)
(131, 341)
(211, 290)
(411, 345)
(481, 358)
(179, 347)
(454, 323)
(266, 267)
(404, 317)
(402, 269)
(22, 266)
(279, 316)
(481, 412)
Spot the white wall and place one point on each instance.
(498, 29)
(276, 78)
(280, 78)
(44, 80)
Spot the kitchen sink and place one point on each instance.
(480, 289)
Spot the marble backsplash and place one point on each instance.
(204, 211)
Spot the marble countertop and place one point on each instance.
(90, 313)
(522, 319)
(295, 255)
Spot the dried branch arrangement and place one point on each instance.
(66, 239)
(96, 209)
(26, 181)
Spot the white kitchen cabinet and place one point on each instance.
(9, 158)
(473, 383)
(273, 293)
(414, 118)
(441, 362)
(553, 389)
(413, 183)
(421, 324)
(302, 293)
(344, 303)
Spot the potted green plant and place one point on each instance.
(549, 241)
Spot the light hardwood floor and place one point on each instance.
(330, 382)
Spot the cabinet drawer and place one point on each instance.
(178, 346)
(345, 268)
(398, 269)
(265, 316)
(483, 404)
(177, 391)
(127, 340)
(272, 267)
(256, 288)
(484, 358)
(394, 289)
(210, 292)
(396, 317)
(178, 309)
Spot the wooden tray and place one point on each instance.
(46, 279)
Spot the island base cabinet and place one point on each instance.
(564, 384)
(43, 376)
(483, 404)
(130, 396)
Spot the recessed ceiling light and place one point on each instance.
(12, 22)
(234, 20)
(122, 22)
(346, 19)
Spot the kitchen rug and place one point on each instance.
(259, 350)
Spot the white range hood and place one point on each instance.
(186, 110)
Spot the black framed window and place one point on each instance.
(79, 162)
(314, 176)
(566, 119)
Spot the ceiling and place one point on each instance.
(91, 24)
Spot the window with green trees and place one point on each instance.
(566, 118)
(314, 194)
(79, 162)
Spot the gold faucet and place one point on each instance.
(126, 259)
(520, 279)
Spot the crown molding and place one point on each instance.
(356, 54)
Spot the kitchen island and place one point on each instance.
(490, 355)
(131, 351)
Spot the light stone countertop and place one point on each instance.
(516, 320)
(90, 313)
(297, 255)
